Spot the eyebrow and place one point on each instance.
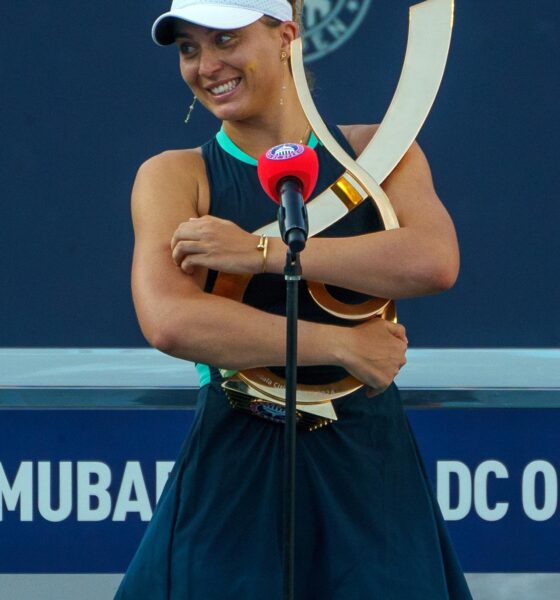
(186, 36)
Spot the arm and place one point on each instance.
(420, 258)
(179, 318)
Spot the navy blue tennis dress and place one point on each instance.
(368, 526)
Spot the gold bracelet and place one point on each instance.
(263, 247)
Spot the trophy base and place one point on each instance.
(308, 416)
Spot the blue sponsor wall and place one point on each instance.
(86, 97)
(498, 494)
(101, 446)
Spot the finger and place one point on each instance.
(185, 232)
(184, 248)
(177, 236)
(398, 331)
(192, 261)
(186, 267)
(373, 392)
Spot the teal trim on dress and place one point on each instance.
(228, 146)
(313, 140)
(203, 374)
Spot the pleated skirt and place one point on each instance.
(367, 524)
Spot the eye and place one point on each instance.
(187, 49)
(223, 38)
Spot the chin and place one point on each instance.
(229, 113)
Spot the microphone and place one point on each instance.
(288, 174)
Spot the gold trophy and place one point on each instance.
(260, 391)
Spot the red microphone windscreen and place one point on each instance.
(288, 160)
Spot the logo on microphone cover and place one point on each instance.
(285, 151)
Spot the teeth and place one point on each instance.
(225, 87)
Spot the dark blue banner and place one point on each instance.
(496, 473)
(78, 487)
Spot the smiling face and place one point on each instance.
(236, 73)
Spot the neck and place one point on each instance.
(281, 124)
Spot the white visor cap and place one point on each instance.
(217, 14)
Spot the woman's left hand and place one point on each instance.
(215, 244)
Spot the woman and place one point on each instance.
(367, 523)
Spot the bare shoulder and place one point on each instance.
(175, 179)
(359, 136)
(413, 162)
(172, 161)
(410, 186)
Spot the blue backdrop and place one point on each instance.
(506, 482)
(86, 97)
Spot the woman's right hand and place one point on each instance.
(373, 352)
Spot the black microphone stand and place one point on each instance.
(292, 275)
(292, 217)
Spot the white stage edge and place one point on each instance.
(484, 586)
(427, 368)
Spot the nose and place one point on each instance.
(209, 62)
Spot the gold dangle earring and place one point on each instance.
(191, 108)
(283, 60)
